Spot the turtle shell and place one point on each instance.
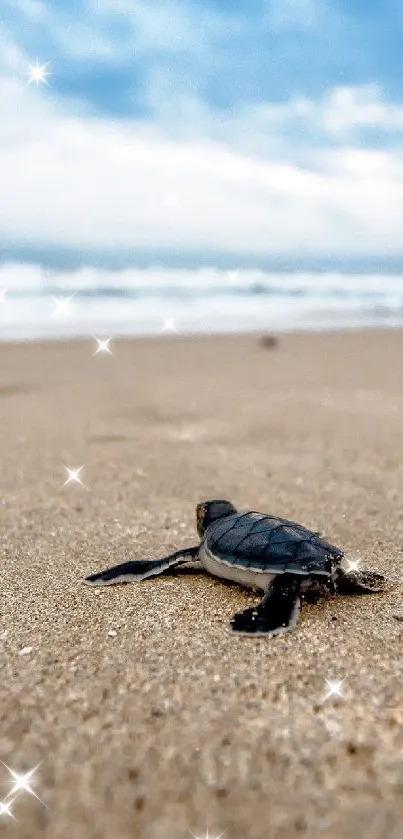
(270, 544)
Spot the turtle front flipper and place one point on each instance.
(136, 570)
(359, 582)
(278, 611)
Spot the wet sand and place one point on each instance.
(151, 719)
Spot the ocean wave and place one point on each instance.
(138, 302)
(91, 282)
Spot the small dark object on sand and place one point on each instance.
(399, 617)
(269, 342)
(277, 556)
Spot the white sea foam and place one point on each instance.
(139, 301)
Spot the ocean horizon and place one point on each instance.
(37, 304)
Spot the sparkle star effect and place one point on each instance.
(233, 275)
(73, 476)
(5, 809)
(103, 346)
(62, 305)
(208, 836)
(334, 688)
(352, 565)
(22, 782)
(169, 326)
(38, 74)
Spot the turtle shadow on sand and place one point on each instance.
(285, 560)
(186, 571)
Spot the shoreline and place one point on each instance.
(258, 332)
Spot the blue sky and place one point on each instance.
(266, 131)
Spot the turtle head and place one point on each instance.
(209, 511)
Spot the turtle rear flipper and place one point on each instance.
(278, 611)
(136, 570)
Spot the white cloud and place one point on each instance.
(73, 180)
(335, 117)
(299, 129)
(352, 107)
(146, 29)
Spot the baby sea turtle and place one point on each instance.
(278, 556)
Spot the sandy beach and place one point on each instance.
(151, 719)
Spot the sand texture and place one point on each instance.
(151, 719)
